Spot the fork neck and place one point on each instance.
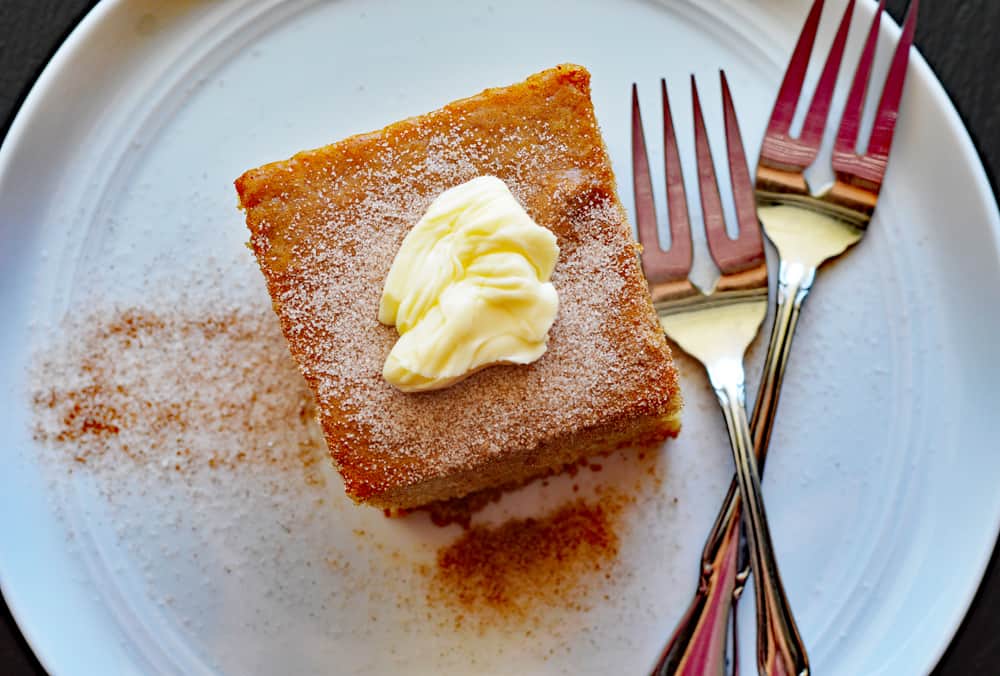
(795, 280)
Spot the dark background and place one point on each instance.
(957, 37)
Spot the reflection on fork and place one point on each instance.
(807, 230)
(716, 328)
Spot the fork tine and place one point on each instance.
(657, 264)
(708, 186)
(730, 255)
(677, 209)
(748, 247)
(850, 124)
(888, 107)
(791, 85)
(645, 209)
(779, 149)
(819, 109)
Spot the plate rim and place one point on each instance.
(12, 138)
(62, 56)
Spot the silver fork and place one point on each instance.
(716, 328)
(807, 230)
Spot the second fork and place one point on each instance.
(716, 328)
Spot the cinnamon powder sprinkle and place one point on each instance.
(498, 575)
(179, 391)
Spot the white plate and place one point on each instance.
(116, 178)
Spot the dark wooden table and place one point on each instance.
(958, 38)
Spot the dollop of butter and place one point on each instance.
(468, 288)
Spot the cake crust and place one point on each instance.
(325, 226)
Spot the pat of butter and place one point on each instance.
(469, 288)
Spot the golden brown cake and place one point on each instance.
(325, 226)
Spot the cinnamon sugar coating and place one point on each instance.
(325, 226)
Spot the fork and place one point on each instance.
(716, 328)
(806, 230)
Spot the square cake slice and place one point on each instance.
(325, 226)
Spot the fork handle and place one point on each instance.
(795, 280)
(698, 643)
(780, 651)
